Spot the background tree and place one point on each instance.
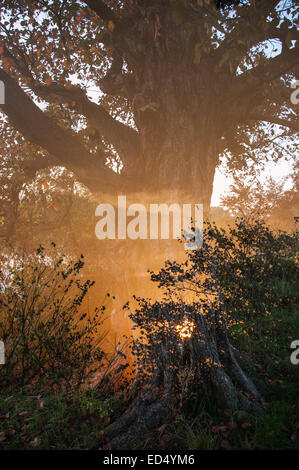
(273, 201)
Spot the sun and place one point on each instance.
(185, 329)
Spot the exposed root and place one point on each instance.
(156, 403)
(144, 418)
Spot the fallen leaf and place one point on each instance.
(246, 425)
(232, 425)
(42, 422)
(219, 428)
(225, 444)
(35, 442)
(111, 26)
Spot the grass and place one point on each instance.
(53, 422)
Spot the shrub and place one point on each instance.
(248, 267)
(48, 341)
(257, 267)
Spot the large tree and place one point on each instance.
(182, 82)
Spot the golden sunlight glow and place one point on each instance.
(185, 330)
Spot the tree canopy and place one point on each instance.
(136, 94)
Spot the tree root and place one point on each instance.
(156, 405)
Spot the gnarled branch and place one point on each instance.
(41, 130)
(124, 139)
(102, 10)
(294, 125)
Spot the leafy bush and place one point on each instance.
(247, 270)
(48, 341)
(257, 267)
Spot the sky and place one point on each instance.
(222, 182)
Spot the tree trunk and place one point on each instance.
(178, 362)
(177, 166)
(213, 367)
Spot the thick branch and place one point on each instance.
(246, 26)
(275, 120)
(249, 87)
(116, 82)
(273, 69)
(124, 139)
(40, 129)
(249, 32)
(119, 28)
(102, 10)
